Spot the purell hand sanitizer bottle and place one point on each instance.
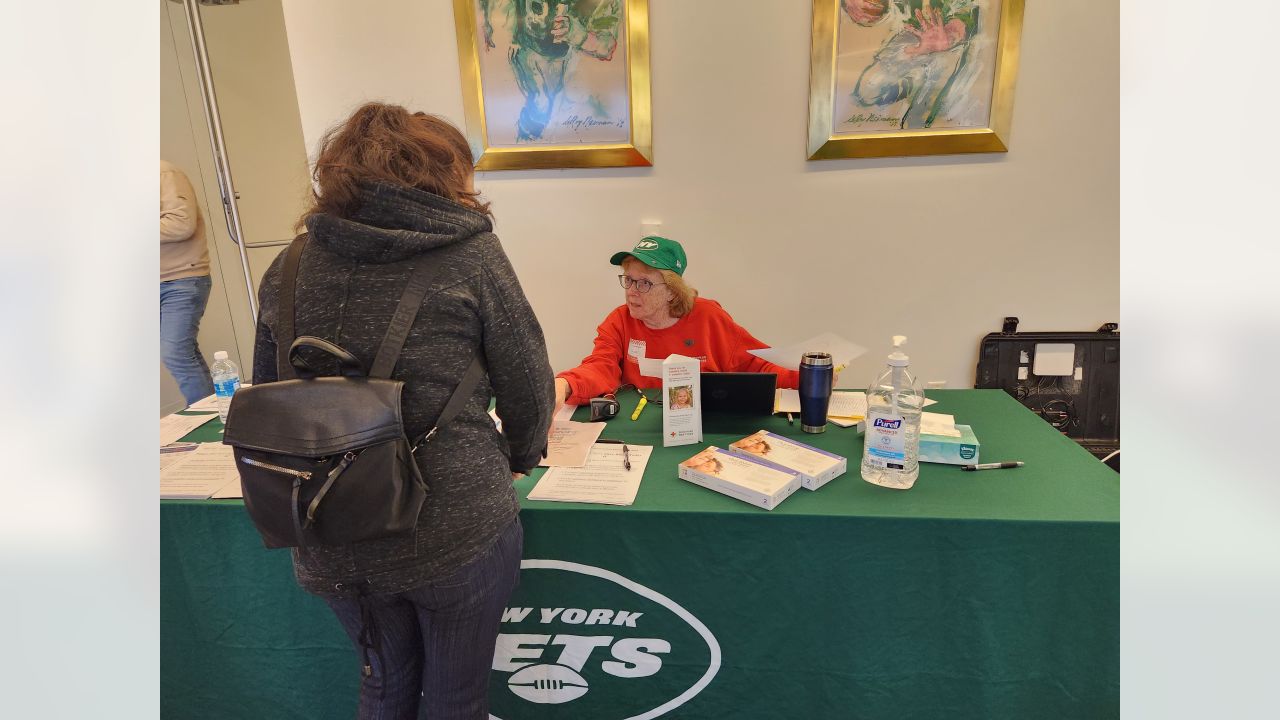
(891, 453)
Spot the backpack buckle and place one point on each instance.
(426, 438)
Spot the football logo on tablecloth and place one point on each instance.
(548, 684)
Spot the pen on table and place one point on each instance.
(993, 466)
(644, 400)
(626, 451)
(791, 420)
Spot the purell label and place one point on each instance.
(885, 440)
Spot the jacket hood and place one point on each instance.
(394, 223)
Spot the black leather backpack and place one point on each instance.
(325, 460)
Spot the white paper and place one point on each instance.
(569, 443)
(842, 351)
(650, 367)
(938, 424)
(230, 490)
(603, 480)
(200, 473)
(173, 427)
(565, 413)
(843, 404)
(168, 459)
(209, 404)
(847, 405)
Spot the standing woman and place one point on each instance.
(393, 190)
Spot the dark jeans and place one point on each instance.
(435, 643)
(182, 304)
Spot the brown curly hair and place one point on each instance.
(387, 143)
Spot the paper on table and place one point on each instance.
(569, 443)
(565, 413)
(209, 404)
(173, 427)
(844, 403)
(847, 405)
(230, 490)
(604, 479)
(200, 473)
(938, 424)
(842, 351)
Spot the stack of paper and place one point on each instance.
(200, 473)
(173, 427)
(938, 424)
(604, 478)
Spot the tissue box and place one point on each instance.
(950, 450)
(744, 478)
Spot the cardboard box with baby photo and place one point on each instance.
(738, 476)
(814, 466)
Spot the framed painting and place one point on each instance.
(555, 84)
(912, 77)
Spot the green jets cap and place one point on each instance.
(656, 252)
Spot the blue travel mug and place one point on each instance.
(815, 391)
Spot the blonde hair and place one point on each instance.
(682, 293)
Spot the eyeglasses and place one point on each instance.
(643, 286)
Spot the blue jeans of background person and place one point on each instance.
(434, 644)
(182, 304)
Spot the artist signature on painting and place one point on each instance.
(577, 122)
(862, 118)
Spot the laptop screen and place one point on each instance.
(738, 393)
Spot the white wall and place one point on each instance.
(791, 248)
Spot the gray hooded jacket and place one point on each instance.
(350, 279)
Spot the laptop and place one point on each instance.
(738, 393)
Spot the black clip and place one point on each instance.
(1010, 326)
(603, 408)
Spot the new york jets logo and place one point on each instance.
(646, 245)
(610, 646)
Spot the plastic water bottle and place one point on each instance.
(226, 380)
(891, 453)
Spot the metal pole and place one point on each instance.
(221, 163)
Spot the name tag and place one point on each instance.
(635, 350)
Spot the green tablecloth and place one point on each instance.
(973, 595)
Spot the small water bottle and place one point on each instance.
(226, 380)
(891, 449)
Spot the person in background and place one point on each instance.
(662, 315)
(184, 283)
(395, 189)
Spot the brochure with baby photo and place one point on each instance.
(681, 401)
(816, 467)
(740, 476)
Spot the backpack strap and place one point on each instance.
(285, 332)
(406, 312)
(461, 394)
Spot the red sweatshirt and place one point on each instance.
(706, 333)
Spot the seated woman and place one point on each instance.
(662, 316)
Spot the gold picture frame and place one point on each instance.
(528, 151)
(826, 141)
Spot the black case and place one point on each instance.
(1087, 409)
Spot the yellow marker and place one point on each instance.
(639, 406)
